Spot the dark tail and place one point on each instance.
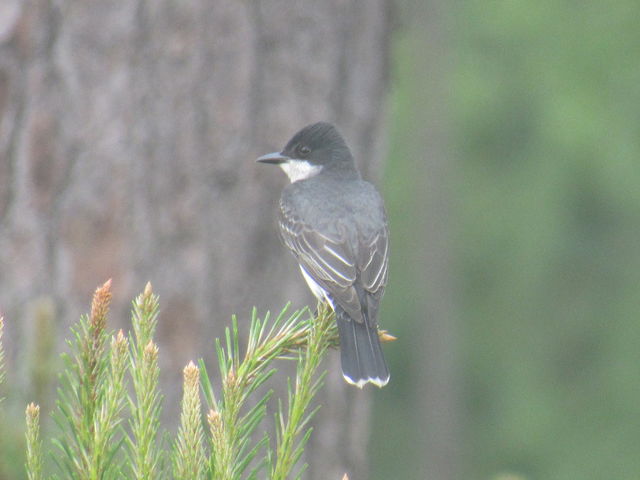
(361, 353)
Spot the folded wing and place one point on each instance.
(349, 265)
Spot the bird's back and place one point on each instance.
(352, 207)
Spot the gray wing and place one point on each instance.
(351, 268)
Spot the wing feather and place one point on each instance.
(375, 268)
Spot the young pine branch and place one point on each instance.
(231, 429)
(100, 440)
(293, 431)
(91, 397)
(145, 455)
(189, 455)
(34, 444)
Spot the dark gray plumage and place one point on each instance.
(334, 223)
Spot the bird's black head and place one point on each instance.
(319, 144)
(315, 148)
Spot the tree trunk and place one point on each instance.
(128, 133)
(437, 393)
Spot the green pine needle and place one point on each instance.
(320, 336)
(286, 336)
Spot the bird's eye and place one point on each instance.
(303, 150)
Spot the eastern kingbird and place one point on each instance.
(335, 224)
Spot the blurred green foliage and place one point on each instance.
(544, 104)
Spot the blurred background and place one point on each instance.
(505, 136)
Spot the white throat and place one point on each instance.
(299, 169)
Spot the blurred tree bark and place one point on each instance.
(421, 298)
(437, 384)
(128, 131)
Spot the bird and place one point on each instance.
(335, 224)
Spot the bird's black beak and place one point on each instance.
(275, 158)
